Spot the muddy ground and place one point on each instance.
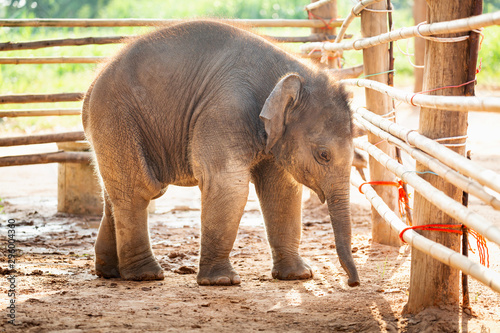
(57, 290)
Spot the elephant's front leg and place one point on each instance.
(280, 198)
(223, 201)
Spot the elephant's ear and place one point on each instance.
(284, 94)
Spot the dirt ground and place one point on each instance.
(58, 292)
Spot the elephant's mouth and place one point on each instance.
(311, 183)
(319, 192)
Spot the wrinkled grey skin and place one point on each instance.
(203, 103)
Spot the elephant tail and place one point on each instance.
(86, 110)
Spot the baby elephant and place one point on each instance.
(207, 104)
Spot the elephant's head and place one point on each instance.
(309, 131)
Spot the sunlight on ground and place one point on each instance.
(312, 286)
(293, 298)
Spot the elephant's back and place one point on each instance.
(192, 48)
(183, 55)
(199, 38)
(164, 85)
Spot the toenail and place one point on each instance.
(223, 281)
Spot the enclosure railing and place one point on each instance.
(87, 23)
(460, 25)
(441, 161)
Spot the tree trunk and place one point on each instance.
(419, 13)
(376, 60)
(433, 283)
(326, 12)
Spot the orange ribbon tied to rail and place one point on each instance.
(482, 248)
(327, 24)
(403, 200)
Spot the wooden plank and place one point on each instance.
(9, 46)
(33, 45)
(52, 60)
(41, 98)
(264, 23)
(349, 72)
(305, 39)
(461, 25)
(40, 112)
(453, 103)
(57, 157)
(42, 138)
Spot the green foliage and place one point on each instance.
(152, 8)
(52, 8)
(489, 55)
(490, 6)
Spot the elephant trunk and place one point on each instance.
(340, 215)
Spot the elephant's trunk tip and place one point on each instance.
(353, 282)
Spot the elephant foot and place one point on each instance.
(106, 271)
(217, 275)
(106, 267)
(144, 270)
(292, 269)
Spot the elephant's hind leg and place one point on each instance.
(125, 225)
(135, 256)
(280, 198)
(106, 258)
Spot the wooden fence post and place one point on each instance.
(376, 60)
(431, 282)
(325, 12)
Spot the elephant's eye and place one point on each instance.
(324, 155)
